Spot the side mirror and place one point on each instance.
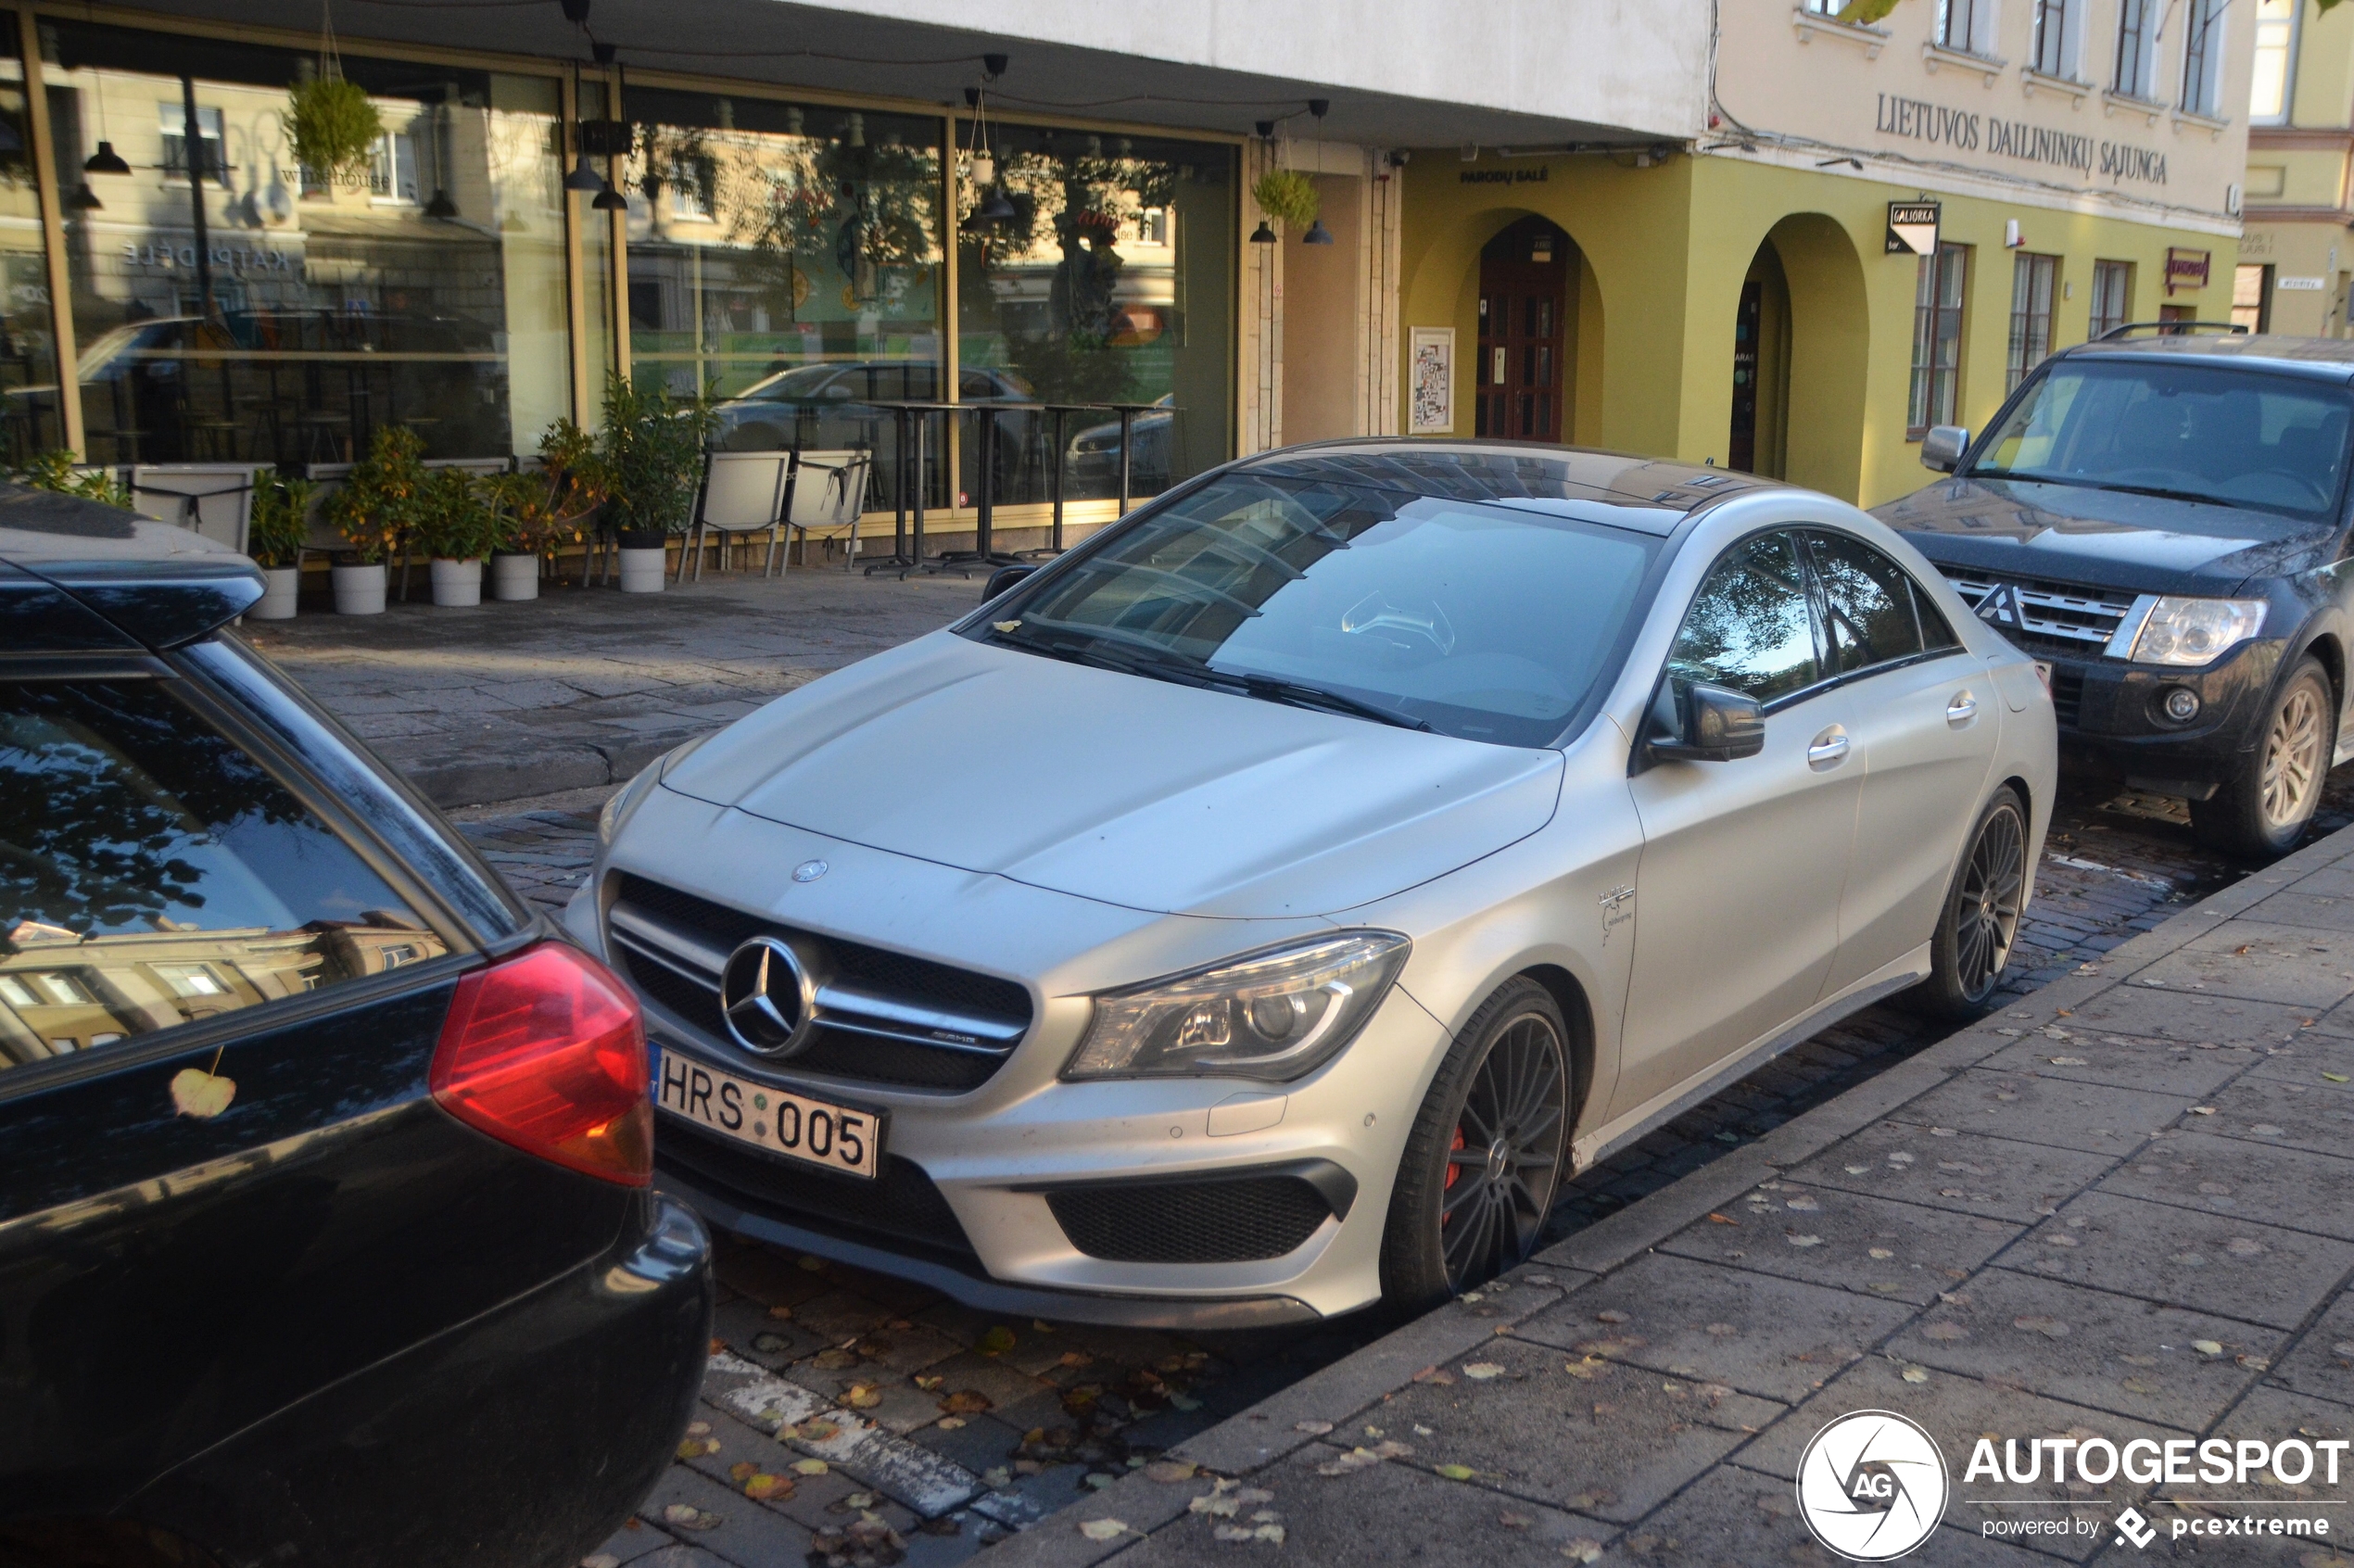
(1704, 723)
(1942, 446)
(1004, 578)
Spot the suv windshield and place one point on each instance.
(1487, 623)
(2195, 432)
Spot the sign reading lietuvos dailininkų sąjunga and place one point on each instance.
(1920, 120)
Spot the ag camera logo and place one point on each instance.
(1872, 1486)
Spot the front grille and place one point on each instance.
(1236, 1221)
(2068, 694)
(900, 1208)
(2056, 615)
(886, 1018)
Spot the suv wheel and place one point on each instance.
(2263, 811)
(1484, 1159)
(1975, 930)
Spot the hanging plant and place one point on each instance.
(1286, 196)
(333, 125)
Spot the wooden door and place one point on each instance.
(1742, 441)
(1518, 376)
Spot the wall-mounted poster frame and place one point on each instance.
(1431, 381)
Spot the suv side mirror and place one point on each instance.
(1703, 722)
(1004, 578)
(1942, 446)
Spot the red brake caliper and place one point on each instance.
(1453, 1169)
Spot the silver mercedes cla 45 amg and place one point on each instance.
(1261, 910)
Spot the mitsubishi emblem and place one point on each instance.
(2001, 607)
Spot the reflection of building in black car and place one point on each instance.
(296, 1096)
(2162, 520)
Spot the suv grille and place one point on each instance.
(2071, 620)
(889, 1017)
(899, 1207)
(1236, 1221)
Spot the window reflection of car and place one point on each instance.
(836, 404)
(1095, 451)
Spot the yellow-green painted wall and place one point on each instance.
(1664, 251)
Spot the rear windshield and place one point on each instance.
(2223, 434)
(152, 874)
(1487, 623)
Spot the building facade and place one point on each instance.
(1757, 298)
(2298, 257)
(814, 214)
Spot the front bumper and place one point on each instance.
(525, 1437)
(2109, 713)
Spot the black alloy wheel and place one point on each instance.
(1486, 1156)
(1980, 923)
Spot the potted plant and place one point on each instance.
(649, 459)
(275, 539)
(539, 512)
(455, 526)
(332, 123)
(56, 470)
(374, 509)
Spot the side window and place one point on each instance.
(1751, 628)
(1867, 602)
(152, 874)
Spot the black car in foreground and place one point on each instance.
(325, 1230)
(2162, 520)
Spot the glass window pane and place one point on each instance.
(1751, 628)
(269, 314)
(153, 874)
(30, 420)
(1869, 604)
(787, 256)
(1076, 299)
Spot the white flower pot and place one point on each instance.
(514, 577)
(360, 591)
(457, 585)
(282, 587)
(642, 570)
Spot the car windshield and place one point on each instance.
(1487, 623)
(2195, 432)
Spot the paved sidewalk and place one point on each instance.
(2123, 1206)
(582, 687)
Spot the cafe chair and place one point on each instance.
(825, 492)
(211, 499)
(742, 493)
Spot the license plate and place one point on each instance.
(2044, 674)
(814, 1131)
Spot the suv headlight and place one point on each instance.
(2193, 631)
(1277, 1014)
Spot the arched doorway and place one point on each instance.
(1758, 441)
(1524, 332)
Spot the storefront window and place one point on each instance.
(1111, 282)
(232, 305)
(28, 349)
(786, 256)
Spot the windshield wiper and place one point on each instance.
(1301, 695)
(2087, 482)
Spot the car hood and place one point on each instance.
(2104, 538)
(1135, 792)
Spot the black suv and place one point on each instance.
(2161, 520)
(325, 1231)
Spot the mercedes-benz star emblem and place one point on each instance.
(767, 997)
(808, 870)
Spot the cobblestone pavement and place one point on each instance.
(2115, 1210)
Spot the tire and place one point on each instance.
(2263, 810)
(1457, 1218)
(1979, 923)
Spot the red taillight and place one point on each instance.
(546, 1051)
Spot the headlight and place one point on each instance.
(2193, 631)
(630, 796)
(1277, 1014)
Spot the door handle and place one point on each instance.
(1961, 710)
(1829, 749)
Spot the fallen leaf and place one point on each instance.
(835, 1359)
(1804, 1241)
(1094, 1529)
(965, 1401)
(1722, 1219)
(997, 1342)
(810, 1467)
(1480, 1371)
(1457, 1472)
(929, 1385)
(1881, 1253)
(2336, 1076)
(761, 1486)
(1915, 1374)
(200, 1093)
(1182, 1402)
(695, 1448)
(2141, 1386)
(2069, 1061)
(1432, 1375)
(1611, 1315)
(950, 1423)
(1009, 628)
(686, 1516)
(1945, 1331)
(1169, 1471)
(1583, 1550)
(1313, 1428)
